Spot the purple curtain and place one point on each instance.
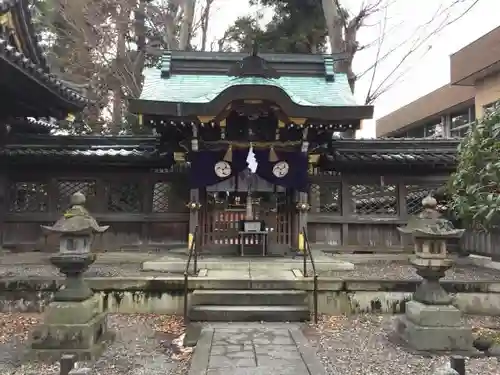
(296, 178)
(202, 170)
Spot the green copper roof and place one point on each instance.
(189, 88)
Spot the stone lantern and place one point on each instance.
(76, 230)
(431, 322)
(73, 322)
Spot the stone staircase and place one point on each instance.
(249, 305)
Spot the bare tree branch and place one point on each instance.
(388, 81)
(377, 55)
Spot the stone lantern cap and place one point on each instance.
(430, 223)
(76, 220)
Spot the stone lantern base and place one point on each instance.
(434, 328)
(78, 328)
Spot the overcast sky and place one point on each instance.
(404, 17)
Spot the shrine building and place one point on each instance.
(262, 138)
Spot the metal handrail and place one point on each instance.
(307, 251)
(193, 250)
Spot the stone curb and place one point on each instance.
(201, 356)
(308, 353)
(164, 284)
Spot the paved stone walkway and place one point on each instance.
(254, 349)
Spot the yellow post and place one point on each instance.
(190, 240)
(301, 241)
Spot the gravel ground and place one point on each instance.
(359, 345)
(363, 271)
(96, 270)
(128, 264)
(144, 345)
(107, 265)
(404, 271)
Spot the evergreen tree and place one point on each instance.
(475, 186)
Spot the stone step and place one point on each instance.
(249, 297)
(177, 264)
(255, 313)
(248, 284)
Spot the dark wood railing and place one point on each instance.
(308, 252)
(193, 254)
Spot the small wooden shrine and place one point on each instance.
(220, 109)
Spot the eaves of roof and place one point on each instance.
(17, 60)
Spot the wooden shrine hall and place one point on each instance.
(215, 116)
(223, 108)
(217, 110)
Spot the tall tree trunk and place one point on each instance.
(334, 25)
(140, 39)
(187, 24)
(205, 18)
(120, 61)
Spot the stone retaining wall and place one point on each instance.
(164, 295)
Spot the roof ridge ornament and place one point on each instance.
(255, 48)
(329, 68)
(253, 66)
(166, 64)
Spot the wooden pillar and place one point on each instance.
(346, 209)
(3, 205)
(303, 199)
(194, 196)
(403, 211)
(193, 215)
(402, 208)
(147, 187)
(302, 219)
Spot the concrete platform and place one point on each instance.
(177, 264)
(260, 274)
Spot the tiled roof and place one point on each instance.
(41, 123)
(374, 152)
(134, 153)
(10, 54)
(94, 152)
(393, 157)
(31, 125)
(394, 151)
(35, 65)
(34, 51)
(304, 91)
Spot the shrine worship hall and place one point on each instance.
(250, 154)
(257, 140)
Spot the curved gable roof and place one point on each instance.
(304, 87)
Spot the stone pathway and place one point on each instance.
(254, 349)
